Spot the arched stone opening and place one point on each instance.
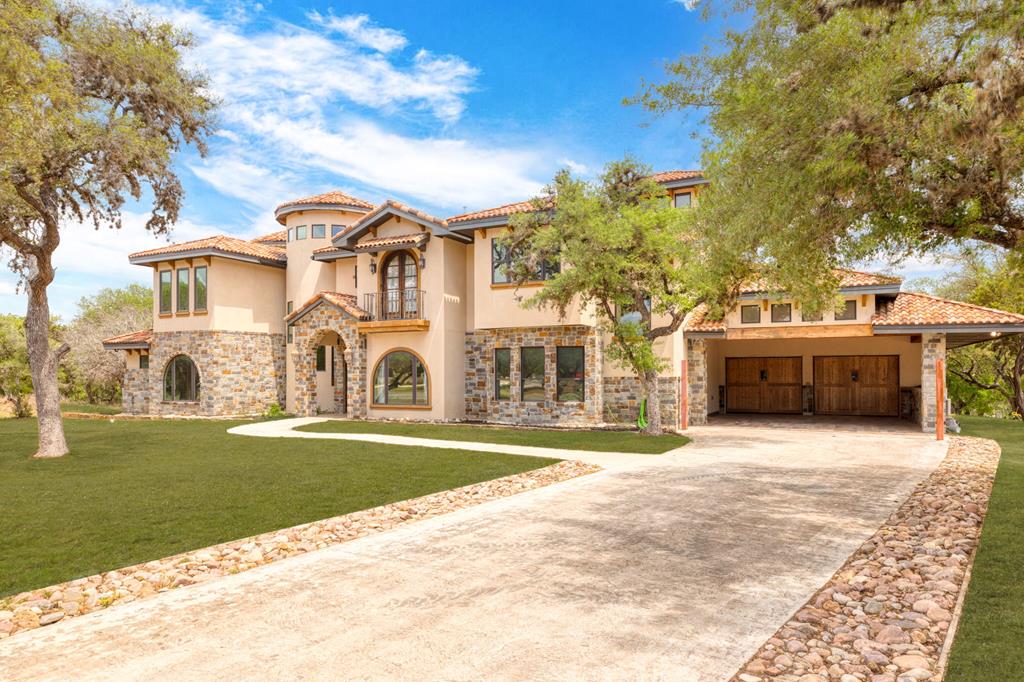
(344, 355)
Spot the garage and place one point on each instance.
(764, 385)
(863, 385)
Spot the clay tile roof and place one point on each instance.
(847, 279)
(391, 203)
(414, 239)
(697, 321)
(913, 309)
(279, 236)
(139, 339)
(328, 249)
(674, 175)
(333, 197)
(346, 302)
(220, 243)
(496, 212)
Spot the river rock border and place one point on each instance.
(885, 615)
(36, 608)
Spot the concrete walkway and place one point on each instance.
(677, 568)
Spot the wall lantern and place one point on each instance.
(373, 266)
(423, 261)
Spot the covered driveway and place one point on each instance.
(675, 567)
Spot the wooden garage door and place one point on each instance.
(866, 385)
(772, 385)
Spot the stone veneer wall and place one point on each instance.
(697, 380)
(480, 402)
(307, 333)
(933, 347)
(239, 373)
(622, 397)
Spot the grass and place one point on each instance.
(90, 408)
(131, 492)
(988, 644)
(602, 441)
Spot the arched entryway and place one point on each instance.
(331, 372)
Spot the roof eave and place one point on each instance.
(348, 239)
(498, 221)
(704, 334)
(1013, 328)
(893, 288)
(134, 345)
(283, 211)
(687, 182)
(199, 253)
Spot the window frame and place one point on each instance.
(846, 305)
(299, 236)
(419, 368)
(543, 374)
(313, 231)
(497, 377)
(169, 310)
(144, 360)
(689, 199)
(756, 308)
(177, 289)
(195, 288)
(195, 381)
(321, 358)
(788, 307)
(559, 378)
(291, 234)
(548, 269)
(336, 230)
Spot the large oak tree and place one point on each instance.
(95, 104)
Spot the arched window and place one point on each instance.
(399, 283)
(181, 379)
(401, 379)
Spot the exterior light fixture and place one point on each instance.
(373, 266)
(423, 261)
(994, 334)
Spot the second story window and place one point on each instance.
(682, 200)
(336, 230)
(300, 232)
(502, 258)
(782, 312)
(183, 275)
(200, 288)
(319, 231)
(166, 289)
(848, 311)
(291, 234)
(750, 314)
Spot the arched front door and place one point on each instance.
(401, 287)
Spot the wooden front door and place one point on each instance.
(767, 385)
(400, 284)
(866, 385)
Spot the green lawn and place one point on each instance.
(90, 408)
(989, 644)
(135, 491)
(603, 441)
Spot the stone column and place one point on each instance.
(933, 347)
(697, 380)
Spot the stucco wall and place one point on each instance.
(865, 310)
(718, 350)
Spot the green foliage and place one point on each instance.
(848, 130)
(273, 411)
(15, 378)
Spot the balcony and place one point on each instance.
(395, 310)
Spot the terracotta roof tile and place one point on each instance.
(391, 203)
(346, 302)
(222, 243)
(915, 309)
(329, 249)
(414, 239)
(332, 197)
(142, 337)
(674, 175)
(697, 321)
(496, 212)
(279, 236)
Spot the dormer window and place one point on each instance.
(682, 200)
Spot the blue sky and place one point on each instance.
(446, 105)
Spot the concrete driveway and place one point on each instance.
(677, 568)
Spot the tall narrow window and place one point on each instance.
(319, 231)
(502, 373)
(570, 380)
(166, 290)
(848, 311)
(143, 361)
(531, 363)
(289, 308)
(182, 290)
(400, 379)
(290, 333)
(500, 261)
(321, 358)
(291, 234)
(181, 379)
(355, 276)
(200, 286)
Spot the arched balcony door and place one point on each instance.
(400, 285)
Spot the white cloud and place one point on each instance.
(362, 31)
(690, 5)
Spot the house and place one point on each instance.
(389, 312)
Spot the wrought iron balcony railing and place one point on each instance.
(398, 304)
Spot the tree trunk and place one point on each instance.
(43, 363)
(1017, 380)
(653, 404)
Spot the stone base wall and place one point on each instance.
(480, 400)
(623, 395)
(697, 381)
(350, 361)
(239, 373)
(933, 348)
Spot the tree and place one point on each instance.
(15, 378)
(111, 312)
(849, 129)
(95, 105)
(989, 278)
(623, 250)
